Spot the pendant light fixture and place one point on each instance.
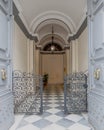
(52, 43)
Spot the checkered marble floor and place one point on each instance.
(53, 117)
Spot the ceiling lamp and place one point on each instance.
(52, 45)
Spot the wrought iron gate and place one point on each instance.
(75, 93)
(27, 89)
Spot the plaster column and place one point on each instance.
(40, 63)
(68, 60)
(65, 63)
(30, 56)
(37, 51)
(74, 56)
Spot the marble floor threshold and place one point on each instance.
(53, 117)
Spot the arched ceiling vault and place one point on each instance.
(47, 39)
(51, 22)
(39, 17)
(60, 30)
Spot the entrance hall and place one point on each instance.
(51, 64)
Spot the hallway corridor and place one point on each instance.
(53, 117)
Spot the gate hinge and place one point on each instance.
(5, 1)
(9, 61)
(9, 16)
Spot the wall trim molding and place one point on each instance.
(21, 24)
(79, 32)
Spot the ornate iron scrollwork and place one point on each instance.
(27, 89)
(75, 93)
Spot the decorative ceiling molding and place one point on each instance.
(21, 24)
(57, 39)
(53, 52)
(52, 15)
(20, 13)
(81, 29)
(18, 5)
(53, 22)
(49, 41)
(57, 35)
(82, 19)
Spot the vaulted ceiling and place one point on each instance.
(40, 15)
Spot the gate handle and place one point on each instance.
(3, 74)
(97, 74)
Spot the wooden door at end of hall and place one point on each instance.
(53, 66)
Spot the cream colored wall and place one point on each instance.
(83, 51)
(53, 65)
(68, 61)
(73, 55)
(78, 54)
(37, 60)
(30, 60)
(19, 49)
(65, 63)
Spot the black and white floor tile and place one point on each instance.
(53, 117)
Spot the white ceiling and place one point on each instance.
(32, 9)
